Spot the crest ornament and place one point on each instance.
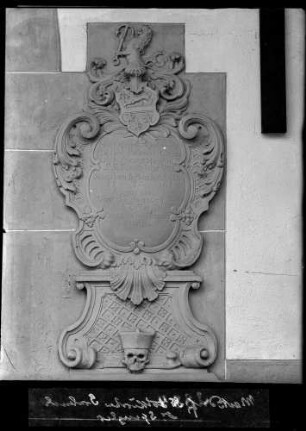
(139, 170)
(138, 111)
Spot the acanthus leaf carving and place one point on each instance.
(173, 62)
(207, 153)
(89, 250)
(76, 131)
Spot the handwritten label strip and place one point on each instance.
(147, 406)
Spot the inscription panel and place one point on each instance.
(137, 182)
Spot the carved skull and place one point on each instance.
(136, 359)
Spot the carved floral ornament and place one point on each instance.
(137, 168)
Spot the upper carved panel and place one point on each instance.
(138, 168)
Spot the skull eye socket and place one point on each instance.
(141, 355)
(130, 355)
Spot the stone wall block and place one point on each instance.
(39, 301)
(32, 199)
(264, 371)
(36, 105)
(208, 96)
(99, 44)
(32, 40)
(270, 306)
(208, 302)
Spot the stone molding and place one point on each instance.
(264, 371)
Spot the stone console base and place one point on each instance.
(182, 348)
(112, 374)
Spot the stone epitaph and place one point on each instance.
(138, 169)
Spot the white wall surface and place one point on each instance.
(263, 214)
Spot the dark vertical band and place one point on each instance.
(273, 71)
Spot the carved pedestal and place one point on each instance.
(179, 340)
(139, 170)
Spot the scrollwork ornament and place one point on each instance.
(173, 62)
(80, 357)
(68, 153)
(95, 69)
(144, 102)
(170, 87)
(101, 93)
(207, 154)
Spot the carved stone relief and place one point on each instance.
(139, 170)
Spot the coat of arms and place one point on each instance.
(137, 101)
(138, 111)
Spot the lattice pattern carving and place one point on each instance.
(116, 315)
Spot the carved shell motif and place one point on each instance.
(138, 169)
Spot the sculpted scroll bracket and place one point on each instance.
(115, 334)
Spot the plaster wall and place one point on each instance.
(263, 191)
